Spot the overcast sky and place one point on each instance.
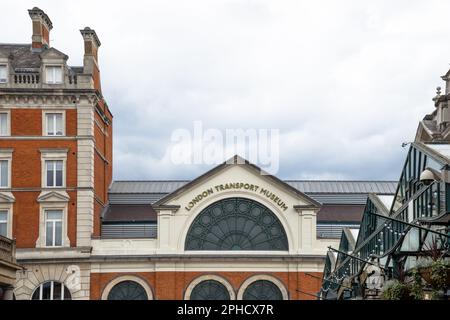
(345, 82)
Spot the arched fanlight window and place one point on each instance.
(51, 290)
(210, 290)
(127, 290)
(262, 290)
(236, 224)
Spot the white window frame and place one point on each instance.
(54, 164)
(7, 72)
(54, 66)
(53, 155)
(52, 206)
(8, 207)
(44, 122)
(6, 155)
(52, 286)
(8, 123)
(54, 221)
(6, 222)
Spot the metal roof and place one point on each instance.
(155, 186)
(306, 186)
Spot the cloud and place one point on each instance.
(345, 82)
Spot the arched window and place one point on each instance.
(51, 290)
(262, 290)
(127, 290)
(236, 224)
(210, 290)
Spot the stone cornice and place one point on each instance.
(42, 97)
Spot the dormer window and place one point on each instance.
(53, 74)
(3, 73)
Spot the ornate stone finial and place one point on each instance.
(437, 96)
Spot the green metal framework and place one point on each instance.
(127, 290)
(390, 238)
(210, 290)
(236, 224)
(262, 290)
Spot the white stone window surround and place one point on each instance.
(53, 155)
(4, 74)
(53, 68)
(51, 226)
(120, 279)
(51, 206)
(6, 155)
(266, 277)
(44, 122)
(198, 280)
(8, 123)
(8, 207)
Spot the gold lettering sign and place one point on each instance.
(237, 186)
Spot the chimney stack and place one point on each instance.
(90, 61)
(41, 29)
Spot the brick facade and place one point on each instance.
(172, 285)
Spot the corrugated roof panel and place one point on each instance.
(323, 191)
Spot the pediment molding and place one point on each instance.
(233, 162)
(53, 196)
(53, 53)
(7, 197)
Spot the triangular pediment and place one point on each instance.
(237, 170)
(53, 53)
(7, 197)
(53, 196)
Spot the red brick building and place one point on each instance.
(231, 233)
(55, 149)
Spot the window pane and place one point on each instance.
(59, 174)
(50, 124)
(3, 216)
(54, 215)
(59, 124)
(57, 291)
(58, 74)
(3, 223)
(3, 229)
(58, 234)
(49, 168)
(49, 234)
(46, 291)
(67, 295)
(36, 294)
(4, 173)
(3, 124)
(2, 73)
(49, 75)
(59, 165)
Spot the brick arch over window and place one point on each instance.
(236, 224)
